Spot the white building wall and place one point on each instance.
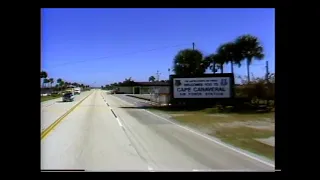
(160, 94)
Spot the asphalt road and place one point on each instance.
(136, 101)
(53, 109)
(108, 133)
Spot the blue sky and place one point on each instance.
(109, 45)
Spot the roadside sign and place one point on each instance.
(207, 86)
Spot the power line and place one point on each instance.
(118, 55)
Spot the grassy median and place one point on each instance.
(239, 129)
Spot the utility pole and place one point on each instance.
(158, 75)
(193, 46)
(267, 81)
(267, 71)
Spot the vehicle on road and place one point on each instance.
(77, 90)
(68, 97)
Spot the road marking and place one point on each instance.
(120, 124)
(136, 102)
(124, 101)
(215, 141)
(226, 170)
(150, 169)
(56, 122)
(113, 113)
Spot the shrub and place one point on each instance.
(257, 89)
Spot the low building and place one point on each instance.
(157, 92)
(144, 88)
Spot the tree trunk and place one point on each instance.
(221, 68)
(231, 66)
(248, 69)
(214, 68)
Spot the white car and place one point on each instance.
(77, 90)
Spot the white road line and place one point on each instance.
(120, 124)
(197, 170)
(150, 169)
(124, 101)
(215, 141)
(136, 102)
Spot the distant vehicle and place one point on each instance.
(71, 90)
(69, 96)
(77, 90)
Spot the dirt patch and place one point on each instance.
(246, 138)
(176, 115)
(271, 127)
(218, 115)
(251, 124)
(268, 141)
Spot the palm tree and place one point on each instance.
(219, 60)
(43, 75)
(211, 63)
(152, 79)
(51, 81)
(59, 81)
(189, 62)
(45, 81)
(232, 54)
(250, 49)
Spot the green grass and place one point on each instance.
(211, 115)
(243, 137)
(239, 136)
(47, 98)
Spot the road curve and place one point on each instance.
(93, 137)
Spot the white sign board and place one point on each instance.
(202, 87)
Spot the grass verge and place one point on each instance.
(47, 98)
(243, 137)
(238, 129)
